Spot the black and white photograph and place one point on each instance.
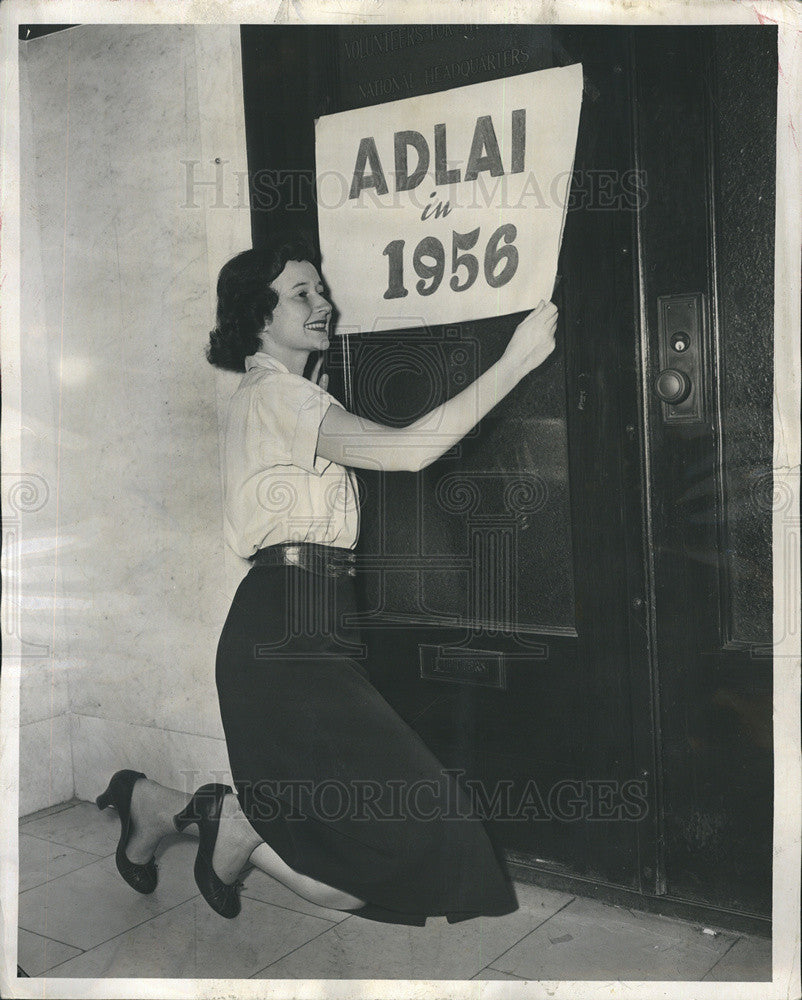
(400, 499)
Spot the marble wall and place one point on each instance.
(125, 579)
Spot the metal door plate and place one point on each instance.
(681, 346)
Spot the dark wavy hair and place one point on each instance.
(245, 300)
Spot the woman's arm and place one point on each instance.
(351, 440)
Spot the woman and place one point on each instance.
(336, 797)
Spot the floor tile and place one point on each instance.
(93, 904)
(194, 942)
(82, 826)
(259, 885)
(366, 949)
(37, 954)
(748, 961)
(41, 860)
(541, 903)
(85, 921)
(591, 940)
(494, 974)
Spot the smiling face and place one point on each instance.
(301, 319)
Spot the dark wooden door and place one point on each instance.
(706, 141)
(533, 598)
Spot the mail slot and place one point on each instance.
(476, 667)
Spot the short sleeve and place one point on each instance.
(291, 410)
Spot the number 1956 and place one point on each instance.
(429, 261)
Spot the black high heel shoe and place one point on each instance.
(204, 808)
(143, 878)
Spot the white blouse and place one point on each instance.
(276, 487)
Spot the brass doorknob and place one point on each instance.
(672, 386)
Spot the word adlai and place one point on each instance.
(484, 156)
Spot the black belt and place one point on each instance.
(325, 560)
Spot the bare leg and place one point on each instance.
(152, 809)
(265, 858)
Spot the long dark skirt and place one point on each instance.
(328, 773)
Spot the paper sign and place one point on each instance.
(449, 206)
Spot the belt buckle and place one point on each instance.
(331, 563)
(340, 564)
(292, 555)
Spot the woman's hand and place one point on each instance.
(317, 378)
(350, 440)
(533, 340)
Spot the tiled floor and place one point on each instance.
(78, 918)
